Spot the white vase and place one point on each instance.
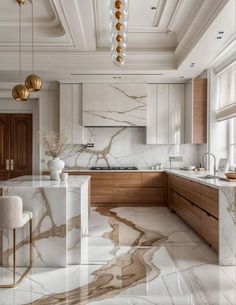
(55, 167)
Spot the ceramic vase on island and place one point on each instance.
(55, 167)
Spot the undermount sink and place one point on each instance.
(208, 177)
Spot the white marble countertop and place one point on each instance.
(45, 182)
(198, 177)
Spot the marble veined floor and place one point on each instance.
(133, 256)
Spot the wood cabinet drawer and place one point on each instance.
(102, 198)
(128, 195)
(153, 195)
(153, 179)
(187, 188)
(101, 185)
(210, 230)
(127, 180)
(189, 212)
(210, 200)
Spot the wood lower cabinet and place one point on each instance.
(210, 200)
(189, 212)
(131, 195)
(127, 189)
(210, 229)
(198, 206)
(126, 180)
(15, 145)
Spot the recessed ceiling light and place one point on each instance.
(181, 77)
(220, 32)
(219, 37)
(153, 7)
(193, 64)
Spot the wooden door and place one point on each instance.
(21, 145)
(4, 146)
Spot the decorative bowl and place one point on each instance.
(231, 175)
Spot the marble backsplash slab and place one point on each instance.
(125, 146)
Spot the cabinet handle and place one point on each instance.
(12, 164)
(7, 165)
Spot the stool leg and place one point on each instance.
(31, 241)
(14, 256)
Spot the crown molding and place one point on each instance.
(79, 29)
(46, 86)
(208, 12)
(225, 58)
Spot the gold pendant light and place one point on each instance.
(20, 92)
(33, 82)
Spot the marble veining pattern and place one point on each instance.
(114, 105)
(125, 147)
(146, 256)
(58, 223)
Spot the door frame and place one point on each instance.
(7, 105)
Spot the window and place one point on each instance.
(226, 80)
(232, 141)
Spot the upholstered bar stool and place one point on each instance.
(13, 217)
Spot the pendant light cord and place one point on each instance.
(32, 15)
(20, 42)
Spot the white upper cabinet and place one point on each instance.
(114, 104)
(165, 116)
(71, 112)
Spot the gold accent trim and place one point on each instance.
(14, 284)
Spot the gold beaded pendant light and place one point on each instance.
(118, 26)
(33, 82)
(20, 92)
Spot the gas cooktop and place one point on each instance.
(112, 168)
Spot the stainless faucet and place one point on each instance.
(214, 157)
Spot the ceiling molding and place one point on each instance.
(177, 8)
(161, 7)
(206, 15)
(46, 86)
(225, 58)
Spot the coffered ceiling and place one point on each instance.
(72, 39)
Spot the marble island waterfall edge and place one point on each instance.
(60, 219)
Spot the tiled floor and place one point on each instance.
(135, 256)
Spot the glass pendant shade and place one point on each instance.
(118, 25)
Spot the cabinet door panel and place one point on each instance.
(152, 180)
(200, 110)
(153, 195)
(128, 195)
(176, 113)
(210, 200)
(4, 146)
(189, 212)
(127, 180)
(162, 114)
(71, 112)
(210, 230)
(21, 144)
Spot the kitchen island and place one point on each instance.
(60, 220)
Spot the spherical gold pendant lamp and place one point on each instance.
(20, 92)
(33, 82)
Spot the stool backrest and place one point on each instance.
(11, 210)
